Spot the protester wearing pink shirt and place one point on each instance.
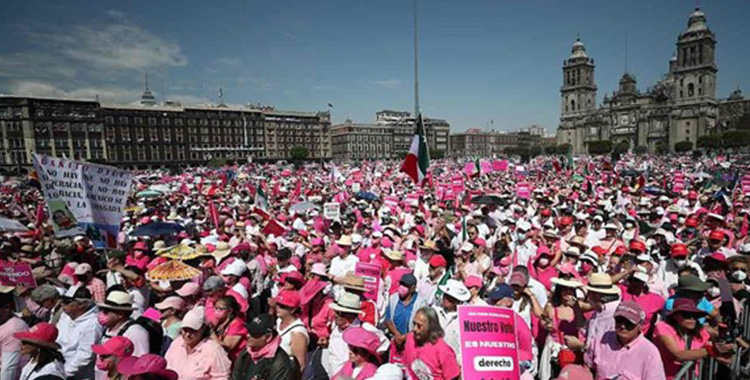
(425, 353)
(669, 335)
(363, 355)
(637, 291)
(10, 365)
(194, 355)
(624, 353)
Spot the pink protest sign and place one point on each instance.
(458, 184)
(488, 343)
(500, 165)
(371, 274)
(12, 274)
(469, 168)
(486, 167)
(523, 190)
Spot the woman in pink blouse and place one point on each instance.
(229, 330)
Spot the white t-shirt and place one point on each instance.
(341, 266)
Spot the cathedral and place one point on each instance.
(682, 106)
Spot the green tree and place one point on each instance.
(683, 146)
(299, 153)
(600, 147)
(535, 150)
(735, 138)
(640, 149)
(217, 162)
(660, 147)
(709, 141)
(622, 147)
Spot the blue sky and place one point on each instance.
(481, 60)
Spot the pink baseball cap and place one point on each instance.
(288, 298)
(172, 302)
(473, 281)
(146, 364)
(189, 289)
(119, 346)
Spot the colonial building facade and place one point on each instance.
(148, 134)
(388, 137)
(682, 106)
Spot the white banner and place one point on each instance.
(331, 210)
(83, 197)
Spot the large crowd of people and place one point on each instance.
(613, 270)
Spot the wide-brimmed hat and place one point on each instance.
(347, 303)
(578, 241)
(364, 339)
(118, 300)
(222, 250)
(429, 245)
(353, 282)
(566, 283)
(692, 282)
(455, 289)
(601, 283)
(394, 255)
(146, 364)
(42, 335)
(344, 241)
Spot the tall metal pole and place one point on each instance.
(416, 63)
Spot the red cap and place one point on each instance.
(479, 242)
(679, 249)
(620, 250)
(716, 235)
(637, 245)
(546, 212)
(288, 298)
(438, 261)
(44, 334)
(119, 346)
(294, 277)
(717, 257)
(566, 221)
(140, 246)
(691, 222)
(599, 250)
(692, 195)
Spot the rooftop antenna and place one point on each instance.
(416, 62)
(146, 75)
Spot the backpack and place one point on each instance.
(154, 330)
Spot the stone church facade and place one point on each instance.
(682, 106)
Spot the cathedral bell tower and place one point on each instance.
(578, 92)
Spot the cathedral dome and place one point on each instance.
(697, 21)
(578, 51)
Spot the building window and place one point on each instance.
(691, 89)
(138, 120)
(151, 121)
(165, 122)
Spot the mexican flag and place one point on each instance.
(418, 159)
(260, 204)
(477, 169)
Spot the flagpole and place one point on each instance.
(416, 63)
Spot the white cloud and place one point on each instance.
(105, 94)
(388, 83)
(117, 47)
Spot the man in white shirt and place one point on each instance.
(118, 309)
(345, 262)
(78, 331)
(522, 247)
(454, 293)
(336, 351)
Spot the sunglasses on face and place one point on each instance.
(624, 323)
(739, 269)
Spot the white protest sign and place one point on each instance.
(331, 210)
(84, 197)
(356, 187)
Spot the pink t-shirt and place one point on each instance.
(671, 365)
(7, 342)
(650, 303)
(236, 328)
(430, 361)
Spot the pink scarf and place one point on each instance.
(267, 352)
